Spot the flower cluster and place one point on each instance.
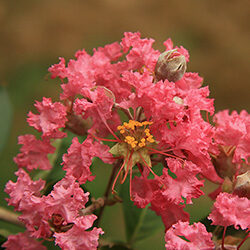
(164, 126)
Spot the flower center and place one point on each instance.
(136, 134)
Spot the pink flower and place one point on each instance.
(23, 241)
(52, 117)
(23, 185)
(190, 81)
(79, 158)
(59, 212)
(140, 51)
(185, 185)
(34, 153)
(143, 190)
(66, 199)
(229, 210)
(77, 237)
(58, 70)
(196, 237)
(234, 130)
(97, 105)
(170, 213)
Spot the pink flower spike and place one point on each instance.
(34, 153)
(229, 210)
(196, 237)
(23, 185)
(52, 117)
(23, 241)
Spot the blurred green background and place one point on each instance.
(33, 34)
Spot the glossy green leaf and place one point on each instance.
(6, 117)
(140, 223)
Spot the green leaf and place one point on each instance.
(6, 117)
(116, 246)
(51, 245)
(140, 223)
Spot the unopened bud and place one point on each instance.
(223, 162)
(171, 65)
(242, 186)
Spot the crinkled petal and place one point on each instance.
(23, 241)
(185, 185)
(77, 237)
(79, 158)
(23, 185)
(229, 210)
(34, 153)
(52, 117)
(196, 237)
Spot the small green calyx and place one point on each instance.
(139, 156)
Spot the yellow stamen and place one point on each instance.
(136, 134)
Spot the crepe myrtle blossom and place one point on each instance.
(139, 111)
(169, 112)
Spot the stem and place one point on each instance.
(243, 241)
(108, 189)
(94, 206)
(223, 238)
(100, 202)
(10, 217)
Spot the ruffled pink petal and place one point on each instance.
(23, 185)
(77, 237)
(196, 237)
(229, 210)
(185, 185)
(234, 130)
(52, 117)
(79, 158)
(23, 241)
(34, 153)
